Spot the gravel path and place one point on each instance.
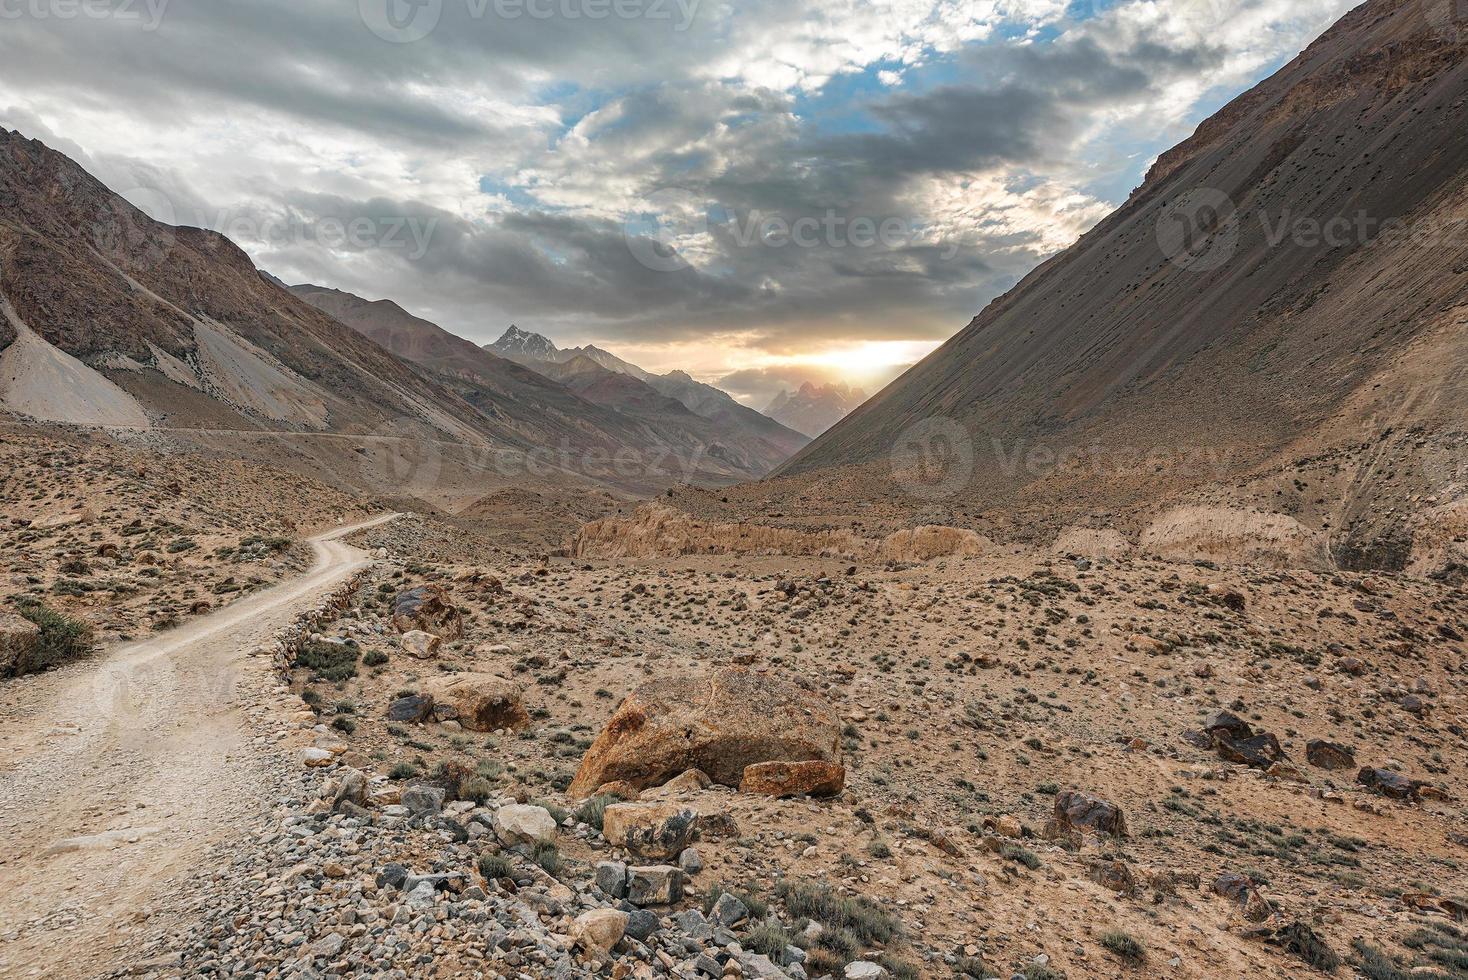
(119, 772)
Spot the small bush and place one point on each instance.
(594, 810)
(402, 770)
(879, 850)
(973, 966)
(374, 658)
(62, 639)
(548, 856)
(1123, 945)
(496, 866)
(901, 969)
(333, 662)
(1023, 855)
(344, 724)
(476, 788)
(770, 939)
(1042, 971)
(1302, 941)
(868, 921)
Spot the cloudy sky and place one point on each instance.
(750, 190)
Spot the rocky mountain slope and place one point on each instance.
(743, 431)
(575, 402)
(1271, 330)
(814, 408)
(112, 318)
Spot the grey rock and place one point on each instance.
(641, 924)
(690, 861)
(729, 911)
(421, 800)
(656, 884)
(611, 878)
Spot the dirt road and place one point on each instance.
(116, 774)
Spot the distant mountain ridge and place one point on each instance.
(814, 408)
(764, 435)
(575, 394)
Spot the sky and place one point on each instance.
(758, 192)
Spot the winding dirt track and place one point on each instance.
(118, 773)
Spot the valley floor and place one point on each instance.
(972, 692)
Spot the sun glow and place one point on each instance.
(874, 357)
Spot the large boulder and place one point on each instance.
(596, 931)
(720, 723)
(1392, 784)
(1235, 740)
(479, 702)
(1078, 814)
(427, 608)
(20, 642)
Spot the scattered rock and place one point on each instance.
(813, 778)
(653, 831)
(479, 702)
(520, 823)
(1328, 755)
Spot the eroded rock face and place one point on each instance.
(1078, 813)
(1235, 740)
(654, 831)
(814, 778)
(479, 702)
(427, 608)
(720, 723)
(1328, 755)
(424, 646)
(1392, 784)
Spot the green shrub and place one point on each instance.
(496, 866)
(476, 788)
(594, 810)
(1023, 855)
(333, 662)
(1302, 941)
(374, 658)
(548, 856)
(403, 770)
(62, 639)
(770, 939)
(879, 850)
(1123, 945)
(867, 920)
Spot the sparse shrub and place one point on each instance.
(62, 639)
(496, 866)
(1022, 855)
(402, 770)
(870, 922)
(973, 966)
(1123, 945)
(594, 810)
(333, 662)
(901, 969)
(1042, 971)
(344, 724)
(548, 856)
(476, 788)
(769, 938)
(879, 850)
(374, 658)
(558, 813)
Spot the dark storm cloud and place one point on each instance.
(289, 74)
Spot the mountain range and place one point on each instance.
(599, 374)
(110, 318)
(814, 408)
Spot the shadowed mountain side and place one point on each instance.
(1274, 322)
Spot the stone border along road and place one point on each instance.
(120, 771)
